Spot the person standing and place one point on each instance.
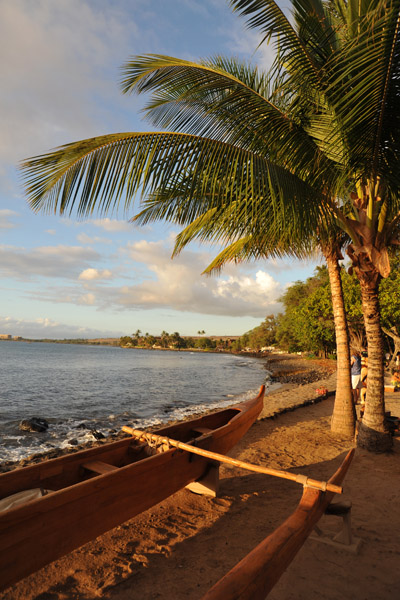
(363, 379)
(355, 375)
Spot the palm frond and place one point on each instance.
(235, 252)
(182, 175)
(365, 91)
(253, 248)
(206, 99)
(299, 41)
(212, 101)
(275, 226)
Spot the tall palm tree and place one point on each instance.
(209, 228)
(343, 417)
(324, 150)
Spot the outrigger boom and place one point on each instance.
(166, 443)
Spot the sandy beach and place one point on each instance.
(181, 547)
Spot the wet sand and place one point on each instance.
(181, 547)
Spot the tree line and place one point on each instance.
(306, 323)
(170, 340)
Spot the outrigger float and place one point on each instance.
(257, 573)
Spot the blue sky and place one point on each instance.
(63, 278)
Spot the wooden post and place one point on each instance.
(207, 485)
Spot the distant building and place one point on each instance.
(5, 336)
(17, 338)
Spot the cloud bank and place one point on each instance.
(43, 328)
(146, 278)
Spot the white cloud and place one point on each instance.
(83, 238)
(88, 299)
(170, 284)
(46, 322)
(262, 286)
(5, 216)
(112, 225)
(92, 274)
(57, 58)
(43, 327)
(178, 284)
(51, 231)
(46, 261)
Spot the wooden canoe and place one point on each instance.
(97, 489)
(257, 573)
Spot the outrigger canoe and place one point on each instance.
(257, 573)
(77, 497)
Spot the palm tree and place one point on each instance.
(329, 243)
(165, 339)
(314, 144)
(356, 117)
(343, 417)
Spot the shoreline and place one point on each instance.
(89, 392)
(289, 370)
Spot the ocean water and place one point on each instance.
(81, 388)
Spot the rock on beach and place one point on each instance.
(299, 378)
(34, 425)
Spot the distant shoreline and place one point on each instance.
(114, 342)
(78, 341)
(104, 341)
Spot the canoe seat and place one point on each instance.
(201, 430)
(99, 467)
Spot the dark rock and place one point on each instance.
(97, 434)
(34, 425)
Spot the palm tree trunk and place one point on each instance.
(373, 434)
(343, 417)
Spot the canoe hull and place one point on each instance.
(43, 530)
